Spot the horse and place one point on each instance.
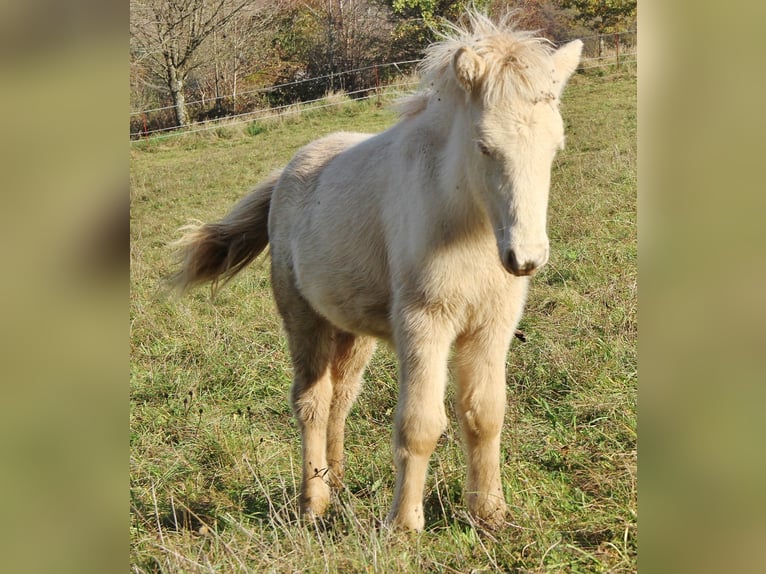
(425, 236)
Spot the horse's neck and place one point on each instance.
(445, 126)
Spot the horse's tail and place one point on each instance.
(216, 252)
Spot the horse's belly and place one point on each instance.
(359, 316)
(339, 257)
(350, 302)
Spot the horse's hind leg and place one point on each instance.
(350, 356)
(311, 343)
(480, 364)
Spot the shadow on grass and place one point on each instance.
(176, 514)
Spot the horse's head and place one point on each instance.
(512, 87)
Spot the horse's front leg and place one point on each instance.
(480, 363)
(423, 342)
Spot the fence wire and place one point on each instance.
(607, 42)
(280, 111)
(284, 85)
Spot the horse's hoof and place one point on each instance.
(335, 476)
(490, 519)
(407, 521)
(312, 510)
(316, 503)
(495, 521)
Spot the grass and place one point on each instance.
(215, 452)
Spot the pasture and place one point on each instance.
(215, 452)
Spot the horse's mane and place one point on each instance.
(518, 62)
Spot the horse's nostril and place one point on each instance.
(512, 265)
(510, 262)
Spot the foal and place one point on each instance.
(424, 235)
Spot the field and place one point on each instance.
(214, 465)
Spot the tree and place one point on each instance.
(328, 39)
(231, 59)
(418, 19)
(169, 33)
(546, 17)
(603, 16)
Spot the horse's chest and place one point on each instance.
(468, 280)
(464, 280)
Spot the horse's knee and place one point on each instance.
(481, 406)
(482, 422)
(417, 431)
(311, 399)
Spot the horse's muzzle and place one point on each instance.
(525, 268)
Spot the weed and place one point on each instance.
(255, 128)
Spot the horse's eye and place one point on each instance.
(484, 149)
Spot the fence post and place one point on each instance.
(377, 85)
(618, 50)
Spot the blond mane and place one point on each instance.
(518, 62)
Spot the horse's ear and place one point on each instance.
(469, 68)
(565, 61)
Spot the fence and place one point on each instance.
(382, 80)
(359, 83)
(618, 48)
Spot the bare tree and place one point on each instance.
(233, 55)
(168, 34)
(334, 36)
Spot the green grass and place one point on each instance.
(215, 452)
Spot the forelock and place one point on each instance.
(518, 63)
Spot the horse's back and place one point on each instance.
(295, 191)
